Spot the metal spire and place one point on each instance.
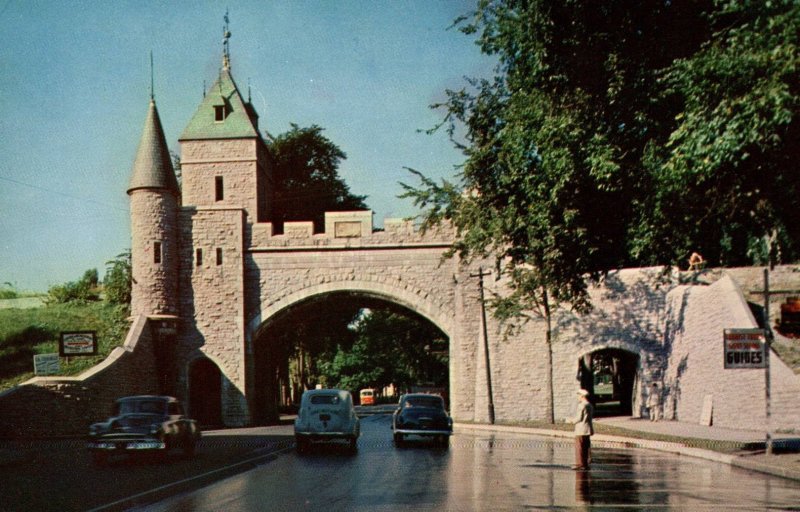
(226, 35)
(152, 80)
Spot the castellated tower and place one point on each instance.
(154, 199)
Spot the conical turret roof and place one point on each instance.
(153, 165)
(239, 122)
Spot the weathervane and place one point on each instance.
(226, 35)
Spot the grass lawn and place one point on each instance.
(27, 332)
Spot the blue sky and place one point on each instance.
(75, 85)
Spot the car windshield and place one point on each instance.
(325, 399)
(424, 401)
(140, 406)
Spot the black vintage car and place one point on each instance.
(143, 424)
(420, 414)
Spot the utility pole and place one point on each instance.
(767, 293)
(480, 275)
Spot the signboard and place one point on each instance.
(46, 364)
(745, 348)
(78, 343)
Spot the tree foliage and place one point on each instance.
(389, 349)
(83, 291)
(725, 177)
(306, 178)
(623, 133)
(117, 281)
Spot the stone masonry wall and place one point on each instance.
(63, 406)
(212, 302)
(153, 219)
(697, 317)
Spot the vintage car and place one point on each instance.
(421, 414)
(143, 424)
(326, 415)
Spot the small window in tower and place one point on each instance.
(219, 190)
(199, 257)
(220, 113)
(156, 252)
(219, 256)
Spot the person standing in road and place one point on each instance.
(654, 402)
(583, 431)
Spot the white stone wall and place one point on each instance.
(697, 317)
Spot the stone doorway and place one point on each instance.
(610, 376)
(205, 393)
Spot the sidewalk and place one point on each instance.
(784, 462)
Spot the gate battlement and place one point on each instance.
(352, 230)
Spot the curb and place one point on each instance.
(632, 442)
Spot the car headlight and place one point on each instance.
(155, 429)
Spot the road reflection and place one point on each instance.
(485, 472)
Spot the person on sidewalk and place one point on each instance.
(654, 402)
(583, 431)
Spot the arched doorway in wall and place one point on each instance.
(205, 393)
(610, 375)
(349, 339)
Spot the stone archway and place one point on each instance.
(205, 392)
(269, 351)
(610, 375)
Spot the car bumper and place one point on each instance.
(422, 432)
(126, 445)
(325, 435)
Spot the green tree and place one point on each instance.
(117, 281)
(307, 182)
(726, 178)
(551, 142)
(389, 348)
(617, 133)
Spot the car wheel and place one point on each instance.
(99, 458)
(301, 445)
(444, 442)
(353, 445)
(189, 448)
(398, 439)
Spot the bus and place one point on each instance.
(367, 396)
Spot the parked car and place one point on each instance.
(421, 414)
(326, 415)
(143, 424)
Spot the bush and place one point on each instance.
(117, 281)
(80, 292)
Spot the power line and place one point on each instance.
(63, 194)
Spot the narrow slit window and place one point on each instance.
(219, 188)
(198, 257)
(220, 113)
(219, 256)
(156, 252)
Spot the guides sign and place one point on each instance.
(745, 348)
(78, 343)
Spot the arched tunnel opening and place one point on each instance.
(609, 375)
(345, 340)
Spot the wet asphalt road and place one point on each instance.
(483, 472)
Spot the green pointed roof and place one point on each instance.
(237, 125)
(153, 165)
